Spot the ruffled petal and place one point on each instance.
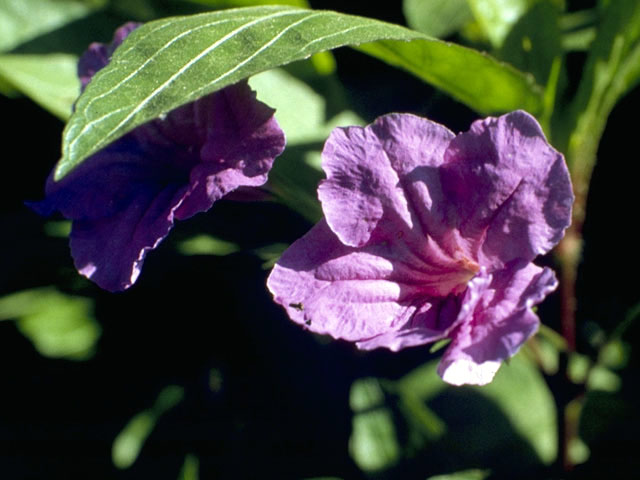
(337, 290)
(110, 250)
(123, 200)
(379, 176)
(240, 140)
(496, 324)
(509, 189)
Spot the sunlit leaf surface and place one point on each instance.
(49, 80)
(173, 61)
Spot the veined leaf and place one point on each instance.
(173, 61)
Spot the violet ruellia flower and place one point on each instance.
(124, 199)
(429, 236)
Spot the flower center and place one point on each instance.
(467, 269)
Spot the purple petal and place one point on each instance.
(123, 200)
(509, 189)
(379, 174)
(495, 324)
(334, 289)
(428, 236)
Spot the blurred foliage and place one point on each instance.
(257, 396)
(190, 468)
(59, 325)
(412, 418)
(438, 18)
(50, 80)
(129, 442)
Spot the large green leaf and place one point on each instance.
(22, 20)
(173, 61)
(49, 80)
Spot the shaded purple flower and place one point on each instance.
(430, 236)
(124, 199)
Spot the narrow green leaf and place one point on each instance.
(437, 18)
(49, 80)
(128, 443)
(190, 468)
(22, 20)
(207, 245)
(173, 61)
(612, 69)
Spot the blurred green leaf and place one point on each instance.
(580, 40)
(190, 468)
(615, 354)
(601, 378)
(269, 254)
(578, 29)
(128, 443)
(49, 80)
(196, 55)
(302, 114)
(207, 245)
(58, 325)
(496, 17)
(518, 389)
(423, 382)
(523, 396)
(578, 367)
(373, 444)
(300, 111)
(437, 18)
(464, 475)
(365, 394)
(534, 41)
(22, 20)
(506, 425)
(58, 229)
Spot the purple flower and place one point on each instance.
(124, 199)
(429, 236)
